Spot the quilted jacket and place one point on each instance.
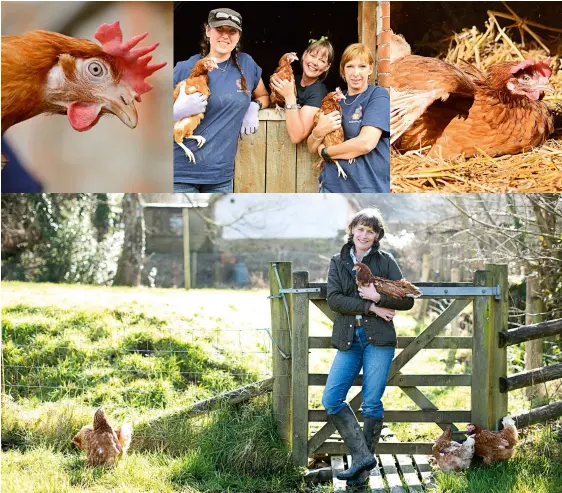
(344, 299)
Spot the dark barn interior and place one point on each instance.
(271, 29)
(431, 21)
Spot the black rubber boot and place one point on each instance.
(349, 429)
(372, 428)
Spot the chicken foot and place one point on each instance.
(341, 172)
(199, 138)
(188, 154)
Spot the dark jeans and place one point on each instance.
(224, 187)
(375, 361)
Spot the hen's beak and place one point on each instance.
(546, 88)
(121, 102)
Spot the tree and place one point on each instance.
(130, 264)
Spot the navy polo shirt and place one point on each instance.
(221, 125)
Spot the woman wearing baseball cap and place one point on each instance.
(237, 94)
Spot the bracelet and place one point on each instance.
(258, 102)
(325, 156)
(314, 136)
(291, 106)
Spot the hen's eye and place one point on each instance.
(96, 69)
(526, 78)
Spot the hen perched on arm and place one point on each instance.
(330, 104)
(462, 111)
(284, 71)
(396, 289)
(451, 455)
(198, 81)
(495, 446)
(101, 442)
(46, 72)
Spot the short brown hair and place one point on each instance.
(369, 217)
(318, 45)
(356, 50)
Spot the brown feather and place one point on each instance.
(396, 289)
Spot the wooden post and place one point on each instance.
(498, 362)
(186, 251)
(534, 308)
(455, 327)
(281, 352)
(482, 353)
(424, 303)
(300, 371)
(193, 269)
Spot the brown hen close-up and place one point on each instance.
(103, 444)
(461, 111)
(47, 72)
(284, 71)
(495, 446)
(198, 81)
(396, 289)
(331, 103)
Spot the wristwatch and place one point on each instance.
(294, 106)
(259, 103)
(325, 156)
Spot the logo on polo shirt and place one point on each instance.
(358, 113)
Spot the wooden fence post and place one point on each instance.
(425, 276)
(300, 371)
(455, 327)
(281, 346)
(482, 353)
(498, 363)
(534, 308)
(186, 250)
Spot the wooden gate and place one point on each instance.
(268, 161)
(291, 294)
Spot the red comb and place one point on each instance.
(538, 65)
(133, 62)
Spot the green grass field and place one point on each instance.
(145, 355)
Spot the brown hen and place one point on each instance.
(396, 289)
(198, 81)
(450, 455)
(47, 72)
(284, 71)
(495, 446)
(101, 442)
(461, 111)
(330, 104)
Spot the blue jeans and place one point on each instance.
(224, 187)
(375, 361)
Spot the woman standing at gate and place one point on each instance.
(237, 94)
(365, 338)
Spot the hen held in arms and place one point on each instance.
(395, 289)
(330, 104)
(284, 71)
(198, 81)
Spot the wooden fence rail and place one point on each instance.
(530, 332)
